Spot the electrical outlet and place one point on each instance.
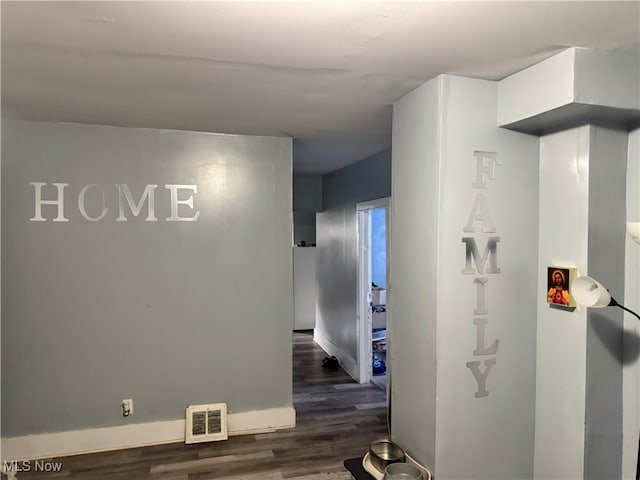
(127, 407)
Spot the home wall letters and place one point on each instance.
(179, 196)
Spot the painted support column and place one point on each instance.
(561, 355)
(606, 256)
(582, 102)
(464, 230)
(631, 347)
(579, 359)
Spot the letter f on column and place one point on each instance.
(486, 163)
(39, 202)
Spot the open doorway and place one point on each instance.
(373, 241)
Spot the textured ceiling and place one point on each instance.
(325, 73)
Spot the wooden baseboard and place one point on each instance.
(60, 444)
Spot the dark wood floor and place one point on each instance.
(336, 419)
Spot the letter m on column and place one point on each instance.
(473, 256)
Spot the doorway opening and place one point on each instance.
(373, 243)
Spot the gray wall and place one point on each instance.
(413, 271)
(368, 179)
(336, 311)
(167, 313)
(307, 200)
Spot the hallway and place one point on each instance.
(337, 418)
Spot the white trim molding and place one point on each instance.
(74, 442)
(384, 202)
(347, 362)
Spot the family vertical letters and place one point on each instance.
(479, 264)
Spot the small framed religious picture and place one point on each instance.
(559, 281)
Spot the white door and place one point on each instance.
(365, 315)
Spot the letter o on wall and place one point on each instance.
(82, 207)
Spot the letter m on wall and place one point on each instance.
(125, 194)
(473, 257)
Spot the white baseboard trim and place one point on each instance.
(60, 444)
(347, 362)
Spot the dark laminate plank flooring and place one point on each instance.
(336, 419)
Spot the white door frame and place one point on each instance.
(364, 283)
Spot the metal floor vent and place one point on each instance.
(206, 423)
